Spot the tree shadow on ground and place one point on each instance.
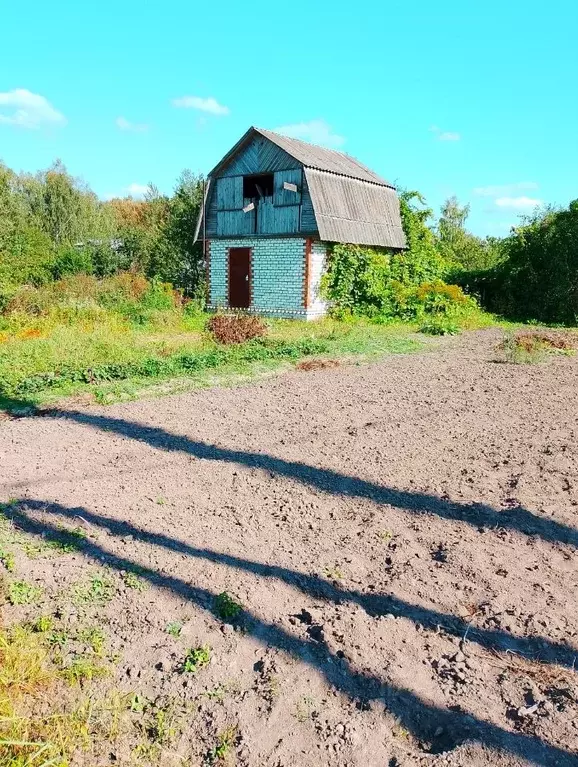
(478, 515)
(534, 648)
(423, 720)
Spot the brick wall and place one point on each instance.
(278, 267)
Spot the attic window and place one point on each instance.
(258, 186)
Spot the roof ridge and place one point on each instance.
(307, 143)
(356, 168)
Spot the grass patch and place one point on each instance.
(112, 358)
(98, 590)
(119, 338)
(23, 593)
(41, 722)
(196, 659)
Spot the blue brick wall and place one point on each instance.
(277, 275)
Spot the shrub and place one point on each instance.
(439, 326)
(539, 278)
(385, 286)
(236, 328)
(226, 608)
(71, 261)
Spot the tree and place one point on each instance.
(460, 248)
(539, 278)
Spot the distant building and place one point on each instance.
(272, 206)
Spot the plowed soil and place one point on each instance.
(401, 537)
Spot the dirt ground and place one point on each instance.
(401, 536)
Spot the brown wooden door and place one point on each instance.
(240, 278)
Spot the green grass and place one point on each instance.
(23, 593)
(110, 342)
(104, 354)
(98, 590)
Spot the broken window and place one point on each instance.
(255, 187)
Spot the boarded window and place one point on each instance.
(258, 186)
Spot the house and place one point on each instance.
(273, 206)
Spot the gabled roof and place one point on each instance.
(311, 156)
(351, 203)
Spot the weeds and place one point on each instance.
(160, 727)
(23, 593)
(43, 624)
(132, 581)
(174, 628)
(94, 637)
(7, 559)
(333, 573)
(98, 591)
(226, 608)
(532, 346)
(225, 742)
(304, 708)
(82, 670)
(196, 659)
(58, 637)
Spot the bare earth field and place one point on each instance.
(401, 536)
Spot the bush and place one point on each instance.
(539, 278)
(128, 293)
(71, 261)
(236, 328)
(440, 326)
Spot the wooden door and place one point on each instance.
(240, 278)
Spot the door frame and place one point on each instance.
(239, 247)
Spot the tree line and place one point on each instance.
(52, 225)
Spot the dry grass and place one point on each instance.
(236, 328)
(43, 718)
(530, 346)
(550, 339)
(317, 364)
(544, 673)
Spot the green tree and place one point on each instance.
(539, 278)
(460, 248)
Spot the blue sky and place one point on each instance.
(473, 99)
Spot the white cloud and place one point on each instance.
(505, 190)
(123, 124)
(449, 136)
(445, 135)
(210, 105)
(25, 109)
(517, 203)
(137, 190)
(315, 131)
